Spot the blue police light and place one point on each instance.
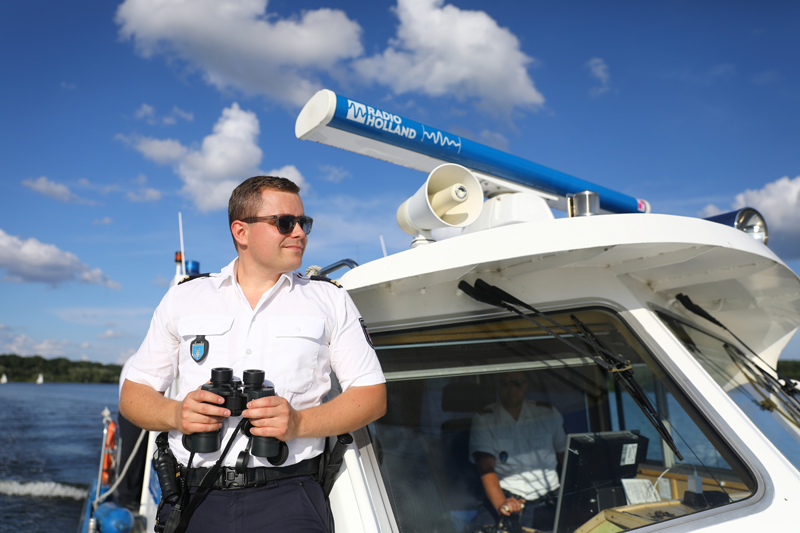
(747, 220)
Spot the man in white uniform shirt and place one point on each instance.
(517, 445)
(257, 314)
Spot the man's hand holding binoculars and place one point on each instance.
(197, 414)
(273, 416)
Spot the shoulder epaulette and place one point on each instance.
(323, 278)
(485, 411)
(193, 276)
(544, 404)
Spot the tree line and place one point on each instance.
(17, 368)
(60, 370)
(790, 369)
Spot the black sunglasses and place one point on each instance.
(284, 223)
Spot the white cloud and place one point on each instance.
(54, 190)
(141, 179)
(290, 172)
(766, 77)
(723, 71)
(148, 113)
(160, 281)
(110, 334)
(32, 261)
(779, 203)
(237, 44)
(101, 316)
(495, 140)
(778, 200)
(598, 69)
(162, 151)
(68, 86)
(710, 210)
(144, 195)
(226, 157)
(125, 355)
(180, 113)
(443, 50)
(21, 344)
(334, 174)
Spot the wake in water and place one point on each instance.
(44, 489)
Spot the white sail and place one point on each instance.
(3, 379)
(40, 379)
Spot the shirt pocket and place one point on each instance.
(293, 348)
(538, 452)
(214, 328)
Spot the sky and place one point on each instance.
(118, 116)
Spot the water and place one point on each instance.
(50, 441)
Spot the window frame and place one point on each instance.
(662, 363)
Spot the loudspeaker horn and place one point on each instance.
(451, 197)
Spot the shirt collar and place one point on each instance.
(228, 273)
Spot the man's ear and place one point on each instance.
(240, 232)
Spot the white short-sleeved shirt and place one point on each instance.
(299, 332)
(524, 449)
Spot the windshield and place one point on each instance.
(745, 384)
(474, 408)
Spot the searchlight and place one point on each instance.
(747, 220)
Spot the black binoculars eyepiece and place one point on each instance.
(236, 395)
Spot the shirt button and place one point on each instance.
(202, 329)
(297, 330)
(248, 351)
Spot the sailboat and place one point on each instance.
(3, 379)
(40, 379)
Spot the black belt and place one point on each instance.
(551, 497)
(259, 476)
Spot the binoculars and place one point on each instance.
(236, 395)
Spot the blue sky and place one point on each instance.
(116, 116)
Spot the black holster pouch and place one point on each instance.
(332, 462)
(169, 479)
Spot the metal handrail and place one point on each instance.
(338, 265)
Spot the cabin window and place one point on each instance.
(447, 391)
(775, 414)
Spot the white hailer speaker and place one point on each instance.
(451, 197)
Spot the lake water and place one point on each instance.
(50, 442)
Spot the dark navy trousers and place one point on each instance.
(290, 505)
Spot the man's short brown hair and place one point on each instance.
(245, 199)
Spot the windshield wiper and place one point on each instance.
(782, 386)
(616, 365)
(624, 377)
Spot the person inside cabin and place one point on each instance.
(257, 314)
(517, 445)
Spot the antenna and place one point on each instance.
(383, 245)
(183, 255)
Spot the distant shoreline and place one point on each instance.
(60, 370)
